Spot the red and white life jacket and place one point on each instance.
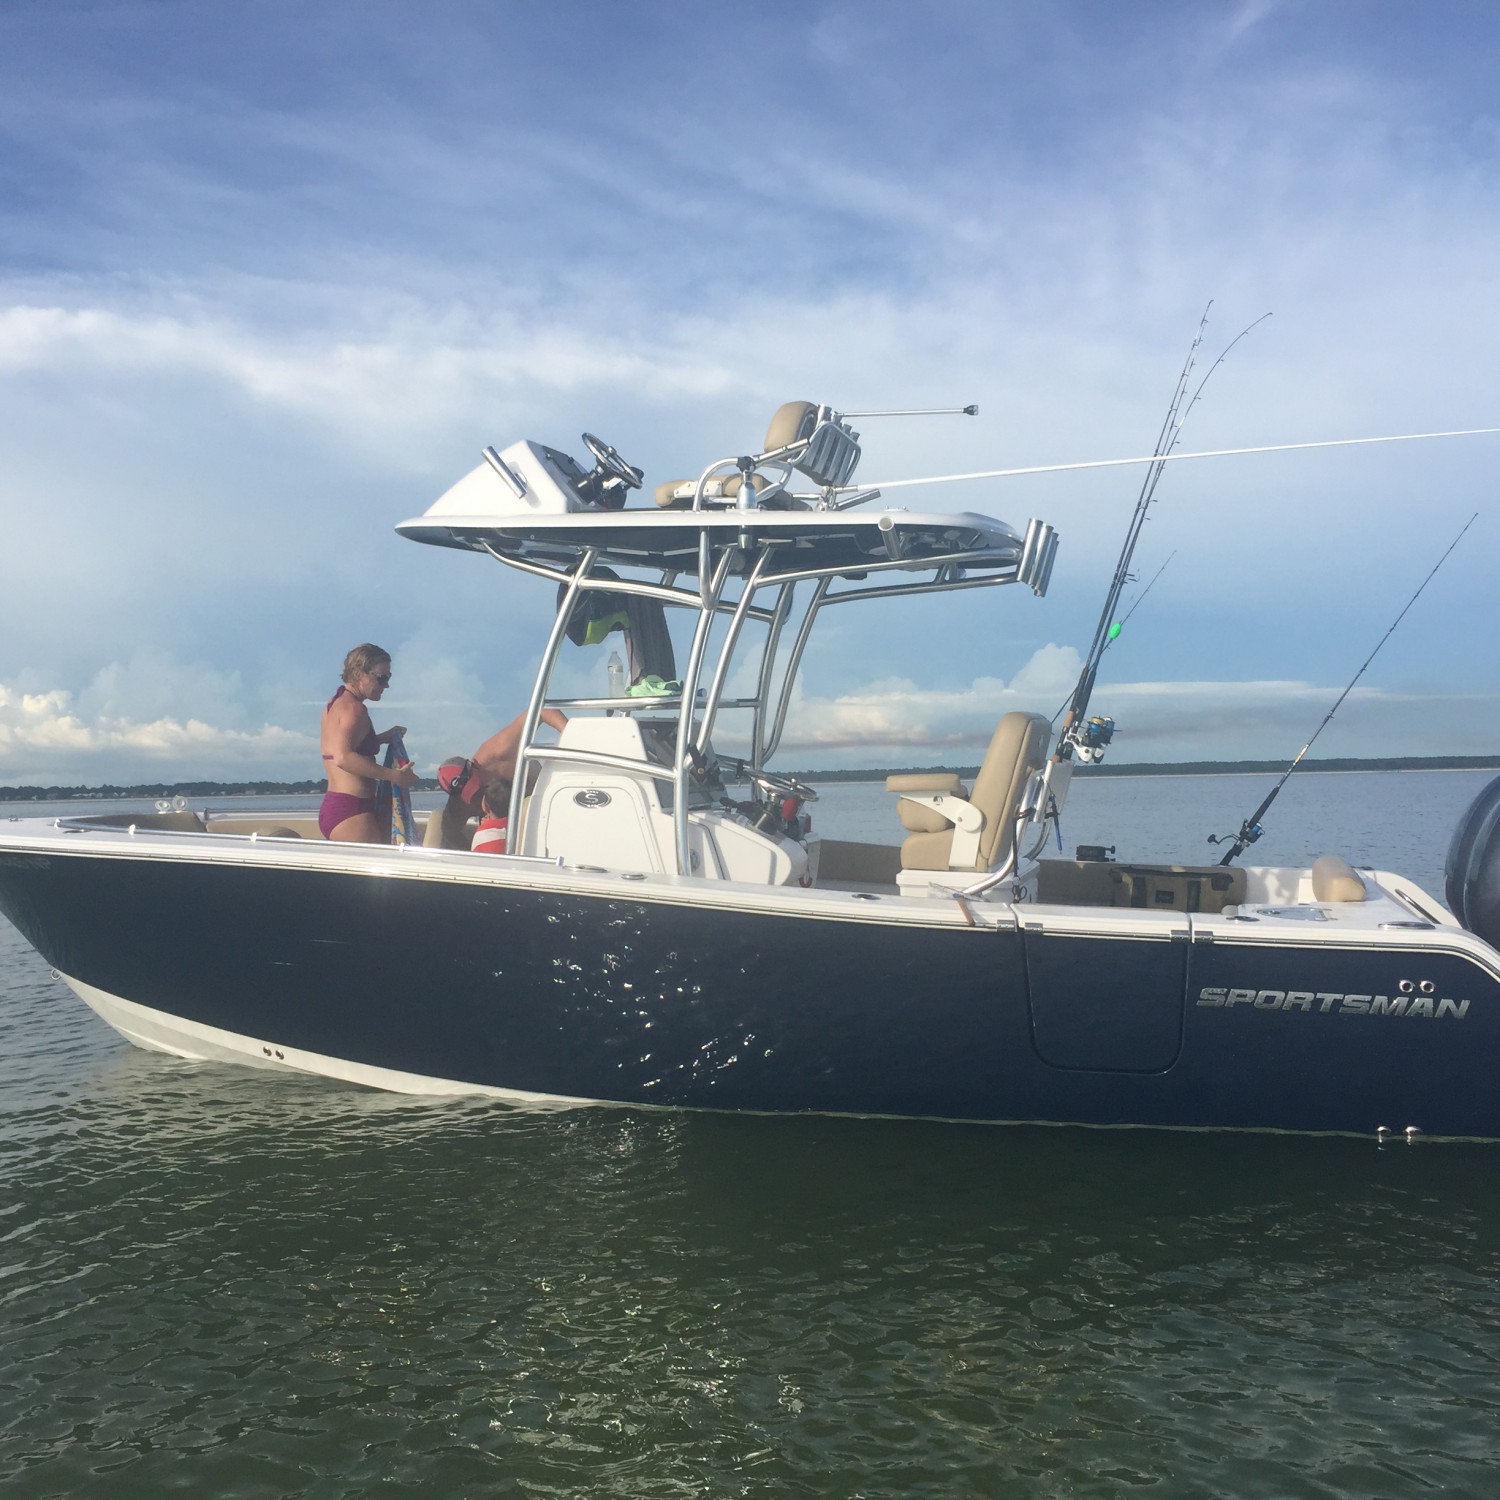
(489, 837)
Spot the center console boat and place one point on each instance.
(668, 929)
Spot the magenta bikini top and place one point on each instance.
(370, 745)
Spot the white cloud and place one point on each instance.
(44, 740)
(897, 714)
(426, 369)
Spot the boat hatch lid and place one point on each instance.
(669, 538)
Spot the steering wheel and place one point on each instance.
(611, 463)
(783, 786)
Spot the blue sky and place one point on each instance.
(271, 275)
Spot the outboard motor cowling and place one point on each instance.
(1471, 874)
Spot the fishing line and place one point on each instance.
(1172, 458)
(1124, 620)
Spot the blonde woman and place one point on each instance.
(350, 744)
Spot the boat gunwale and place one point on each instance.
(54, 838)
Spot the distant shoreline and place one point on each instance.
(1144, 768)
(1205, 767)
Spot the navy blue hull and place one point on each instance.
(656, 1003)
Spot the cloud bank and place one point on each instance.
(54, 737)
(45, 742)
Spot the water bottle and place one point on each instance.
(616, 669)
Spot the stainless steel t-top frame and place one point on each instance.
(763, 565)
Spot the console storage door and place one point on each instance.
(1107, 990)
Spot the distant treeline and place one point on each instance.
(1110, 768)
(1198, 767)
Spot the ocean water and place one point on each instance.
(220, 1283)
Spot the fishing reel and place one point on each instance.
(1091, 739)
(1250, 832)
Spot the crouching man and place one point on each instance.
(466, 778)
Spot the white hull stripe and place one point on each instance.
(156, 1031)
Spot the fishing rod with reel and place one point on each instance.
(1083, 738)
(1251, 829)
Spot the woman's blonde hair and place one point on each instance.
(364, 658)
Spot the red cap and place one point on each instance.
(460, 777)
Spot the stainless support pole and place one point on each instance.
(803, 631)
(664, 591)
(731, 640)
(513, 838)
(713, 587)
(783, 608)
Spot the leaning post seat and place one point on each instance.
(951, 832)
(827, 452)
(677, 494)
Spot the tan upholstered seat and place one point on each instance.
(794, 422)
(677, 494)
(1335, 879)
(1017, 750)
(922, 817)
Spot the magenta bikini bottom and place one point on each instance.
(339, 807)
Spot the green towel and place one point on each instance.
(653, 687)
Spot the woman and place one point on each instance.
(350, 745)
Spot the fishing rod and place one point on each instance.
(1080, 736)
(1089, 739)
(1250, 829)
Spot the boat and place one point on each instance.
(669, 931)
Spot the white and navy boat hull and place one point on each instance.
(430, 972)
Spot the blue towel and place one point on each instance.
(397, 798)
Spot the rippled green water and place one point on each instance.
(219, 1283)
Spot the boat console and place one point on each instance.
(608, 803)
